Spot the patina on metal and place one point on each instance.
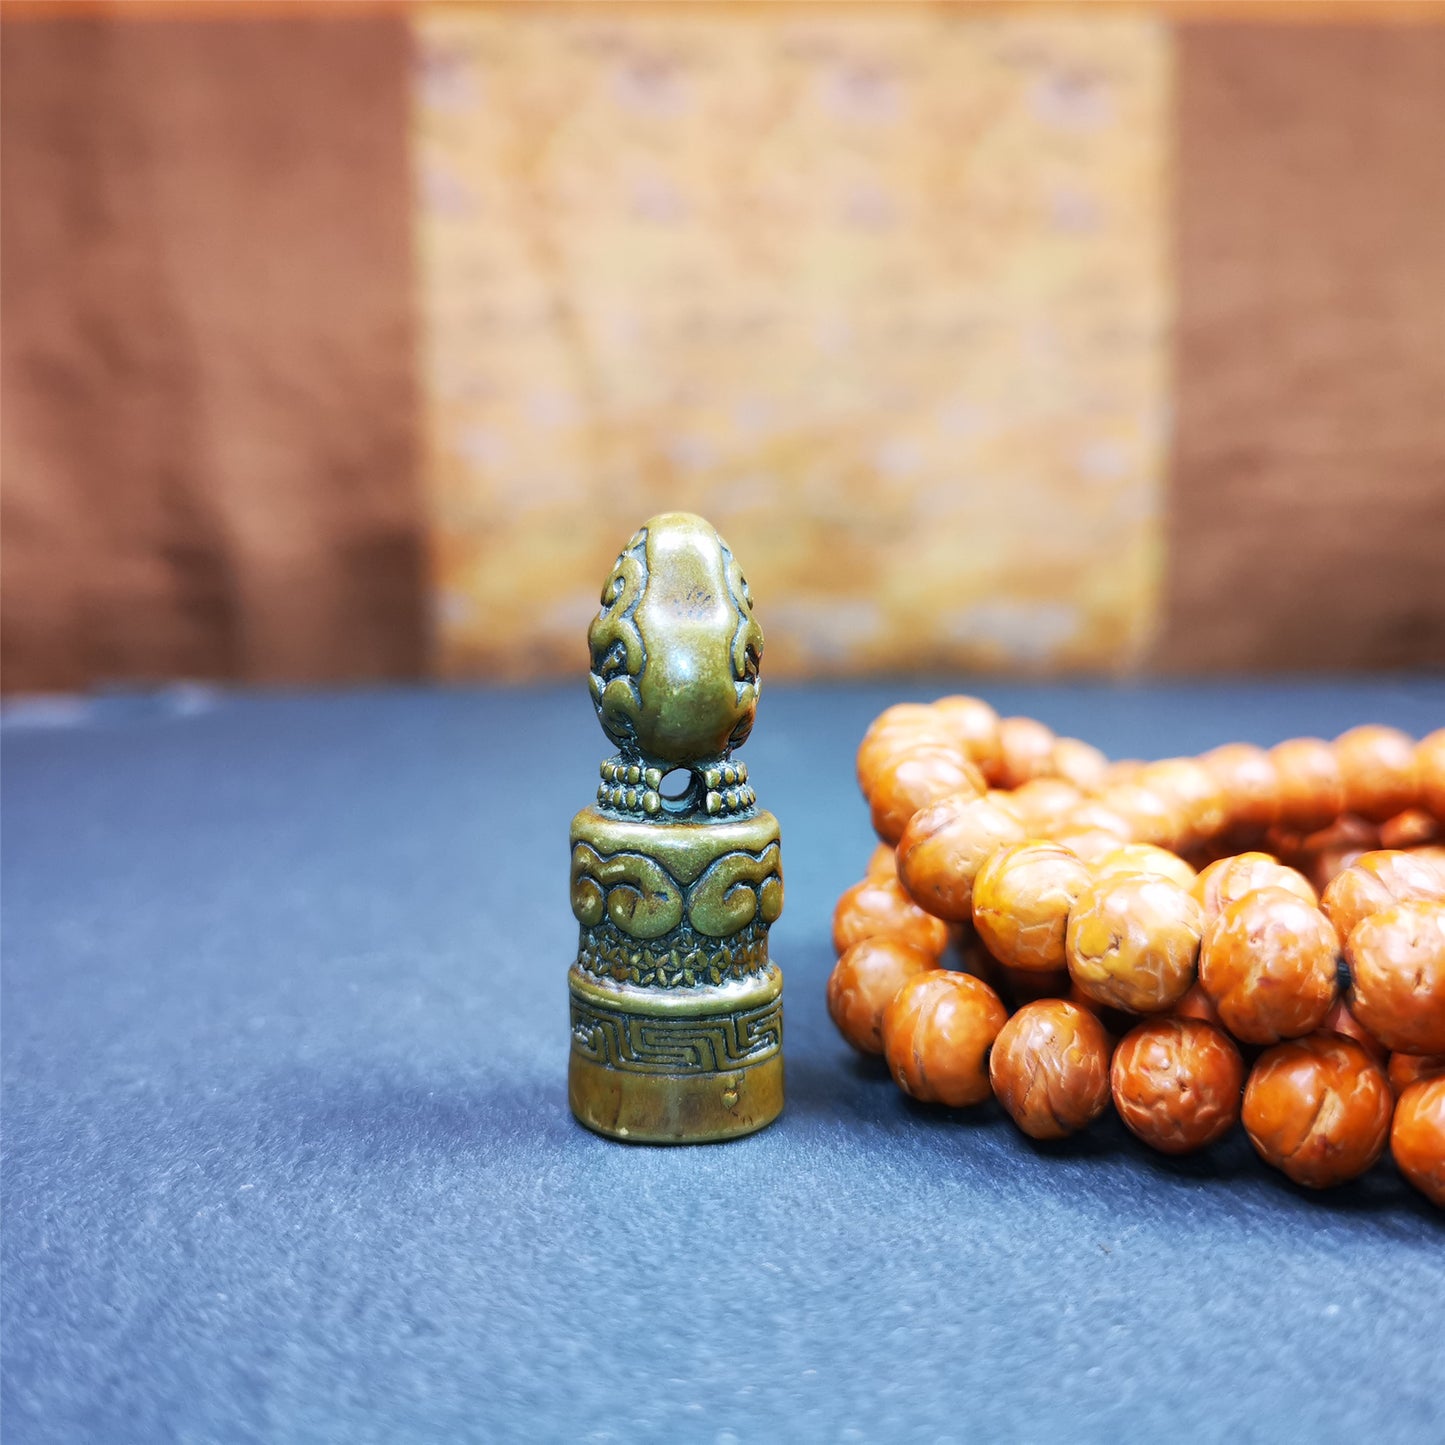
(677, 1016)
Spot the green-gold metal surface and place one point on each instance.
(676, 1006)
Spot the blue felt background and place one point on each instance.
(288, 1158)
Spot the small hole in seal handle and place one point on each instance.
(680, 790)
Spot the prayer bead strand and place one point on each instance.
(1154, 926)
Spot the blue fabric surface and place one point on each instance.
(288, 1157)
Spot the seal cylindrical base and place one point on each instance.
(692, 1065)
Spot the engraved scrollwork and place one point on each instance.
(747, 649)
(735, 889)
(636, 893)
(616, 645)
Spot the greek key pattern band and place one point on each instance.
(647, 1044)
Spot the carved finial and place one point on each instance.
(674, 673)
(675, 647)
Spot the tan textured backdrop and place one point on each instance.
(223, 434)
(883, 294)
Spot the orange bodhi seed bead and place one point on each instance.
(1227, 880)
(903, 715)
(1397, 976)
(1417, 1138)
(1329, 863)
(1330, 851)
(973, 726)
(1375, 881)
(1002, 798)
(944, 846)
(1430, 772)
(1176, 1083)
(1133, 942)
(937, 1032)
(1340, 1020)
(1196, 1004)
(863, 983)
(1095, 816)
(1433, 857)
(1377, 765)
(1189, 787)
(1347, 831)
(1079, 763)
(882, 862)
(880, 906)
(1406, 1069)
(1021, 901)
(1026, 751)
(1041, 802)
(903, 785)
(895, 731)
(1145, 858)
(1319, 1109)
(1091, 844)
(1285, 845)
(1269, 963)
(1311, 785)
(1151, 817)
(1409, 829)
(1050, 1068)
(1124, 770)
(1250, 785)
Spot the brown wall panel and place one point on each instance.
(208, 444)
(1307, 519)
